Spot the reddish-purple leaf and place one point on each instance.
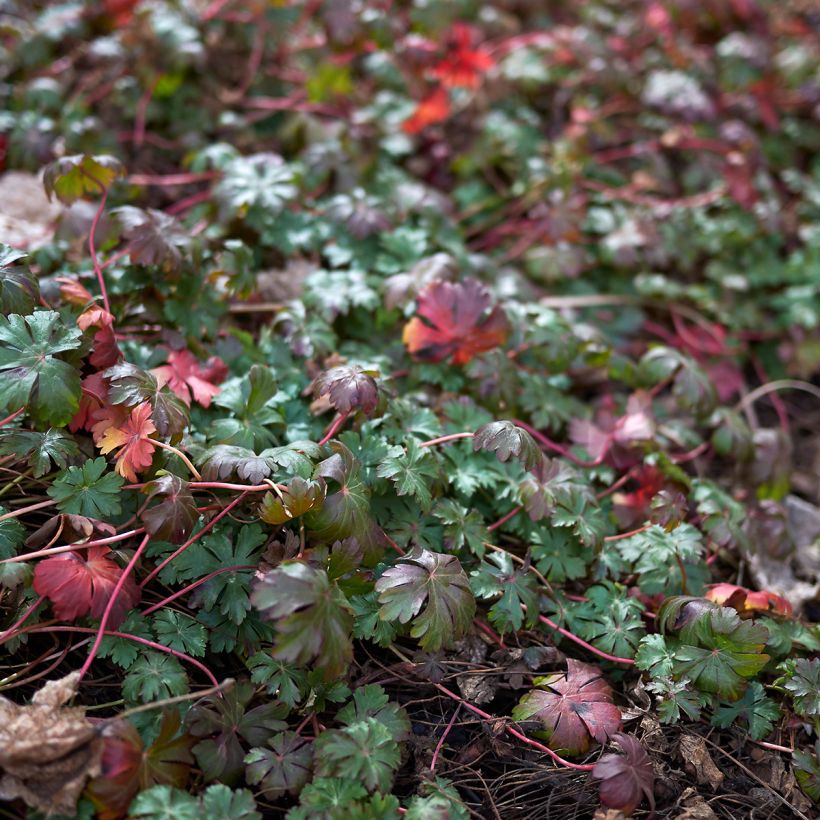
(174, 517)
(626, 778)
(81, 583)
(454, 323)
(574, 707)
(347, 388)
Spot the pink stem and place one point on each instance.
(8, 633)
(100, 542)
(443, 439)
(172, 179)
(556, 447)
(489, 632)
(617, 485)
(588, 646)
(137, 639)
(188, 202)
(333, 429)
(142, 114)
(40, 505)
(504, 519)
(444, 737)
(194, 585)
(91, 245)
(110, 605)
(629, 534)
(682, 458)
(209, 526)
(12, 417)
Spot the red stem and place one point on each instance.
(142, 114)
(12, 417)
(629, 534)
(515, 733)
(85, 630)
(188, 202)
(172, 179)
(91, 246)
(504, 519)
(489, 631)
(444, 737)
(194, 585)
(40, 505)
(333, 429)
(100, 542)
(110, 605)
(556, 447)
(588, 646)
(209, 526)
(9, 633)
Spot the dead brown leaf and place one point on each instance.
(694, 807)
(698, 761)
(47, 750)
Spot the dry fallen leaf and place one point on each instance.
(698, 761)
(694, 807)
(47, 751)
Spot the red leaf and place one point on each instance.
(78, 583)
(73, 292)
(575, 708)
(457, 324)
(637, 424)
(435, 107)
(627, 778)
(132, 437)
(747, 602)
(463, 66)
(106, 352)
(186, 378)
(95, 392)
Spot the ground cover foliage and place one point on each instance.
(412, 412)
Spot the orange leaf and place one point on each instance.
(435, 107)
(747, 602)
(454, 322)
(463, 66)
(136, 449)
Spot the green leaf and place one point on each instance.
(807, 771)
(88, 490)
(610, 619)
(346, 510)
(438, 800)
(19, 288)
(40, 449)
(30, 373)
(462, 527)
(71, 178)
(372, 701)
(433, 581)
(285, 768)
(654, 656)
(676, 696)
(654, 555)
(281, 679)
(122, 651)
(757, 711)
(364, 752)
(558, 555)
(225, 722)
(313, 617)
(514, 587)
(724, 652)
(507, 440)
(165, 803)
(180, 632)
(154, 675)
(12, 535)
(236, 804)
(298, 497)
(803, 683)
(367, 624)
(411, 472)
(328, 798)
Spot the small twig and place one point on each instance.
(780, 384)
(100, 542)
(185, 460)
(223, 687)
(754, 777)
(41, 505)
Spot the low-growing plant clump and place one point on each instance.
(413, 413)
